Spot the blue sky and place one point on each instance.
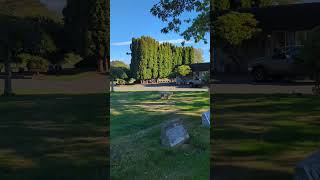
(133, 19)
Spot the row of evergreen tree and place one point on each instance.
(151, 59)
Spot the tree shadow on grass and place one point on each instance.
(54, 137)
(263, 133)
(223, 172)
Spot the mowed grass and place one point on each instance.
(136, 152)
(72, 77)
(262, 136)
(53, 136)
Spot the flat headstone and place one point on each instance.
(166, 95)
(173, 134)
(309, 168)
(206, 119)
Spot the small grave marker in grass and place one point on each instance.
(173, 134)
(308, 169)
(206, 119)
(166, 95)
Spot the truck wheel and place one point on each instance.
(277, 78)
(259, 74)
(191, 85)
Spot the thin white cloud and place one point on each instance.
(176, 41)
(125, 43)
(172, 41)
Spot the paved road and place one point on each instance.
(95, 83)
(156, 87)
(243, 84)
(235, 84)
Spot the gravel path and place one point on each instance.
(243, 84)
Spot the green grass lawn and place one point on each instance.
(72, 77)
(53, 137)
(136, 152)
(262, 136)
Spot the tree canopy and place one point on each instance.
(208, 12)
(86, 23)
(119, 70)
(170, 11)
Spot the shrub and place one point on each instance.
(38, 63)
(71, 59)
(184, 70)
(131, 81)
(118, 73)
(121, 81)
(206, 77)
(24, 58)
(172, 75)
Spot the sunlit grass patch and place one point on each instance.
(136, 119)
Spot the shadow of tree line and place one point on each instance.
(54, 136)
(261, 129)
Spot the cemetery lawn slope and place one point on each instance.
(263, 136)
(136, 152)
(54, 136)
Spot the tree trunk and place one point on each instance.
(112, 85)
(316, 88)
(212, 40)
(101, 69)
(8, 79)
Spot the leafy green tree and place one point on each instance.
(119, 70)
(170, 11)
(86, 22)
(167, 61)
(208, 11)
(177, 56)
(16, 36)
(191, 55)
(236, 27)
(135, 58)
(37, 64)
(151, 60)
(75, 19)
(186, 56)
(198, 56)
(118, 73)
(161, 61)
(144, 58)
(98, 30)
(184, 70)
(71, 59)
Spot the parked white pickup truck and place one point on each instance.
(195, 83)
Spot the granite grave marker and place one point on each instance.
(174, 133)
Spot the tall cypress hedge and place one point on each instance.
(151, 59)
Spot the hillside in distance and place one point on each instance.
(27, 8)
